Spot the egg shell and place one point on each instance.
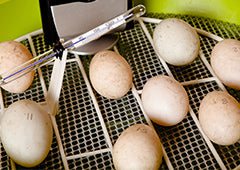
(225, 61)
(219, 117)
(26, 132)
(165, 100)
(110, 74)
(138, 148)
(176, 41)
(13, 54)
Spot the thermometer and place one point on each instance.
(72, 44)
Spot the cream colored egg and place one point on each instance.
(219, 117)
(138, 148)
(176, 41)
(165, 100)
(225, 61)
(110, 74)
(13, 54)
(26, 132)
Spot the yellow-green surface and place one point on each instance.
(225, 10)
(19, 17)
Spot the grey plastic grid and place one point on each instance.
(84, 143)
(119, 114)
(137, 50)
(5, 160)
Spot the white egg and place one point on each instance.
(13, 54)
(219, 117)
(138, 148)
(225, 61)
(176, 41)
(110, 74)
(165, 100)
(26, 132)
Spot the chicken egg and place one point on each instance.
(219, 117)
(13, 54)
(138, 148)
(26, 132)
(110, 74)
(176, 41)
(165, 100)
(225, 61)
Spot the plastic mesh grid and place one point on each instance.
(78, 121)
(5, 160)
(120, 114)
(98, 161)
(79, 126)
(137, 50)
(198, 91)
(39, 45)
(185, 147)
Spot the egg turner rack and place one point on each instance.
(88, 124)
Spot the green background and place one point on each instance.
(19, 17)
